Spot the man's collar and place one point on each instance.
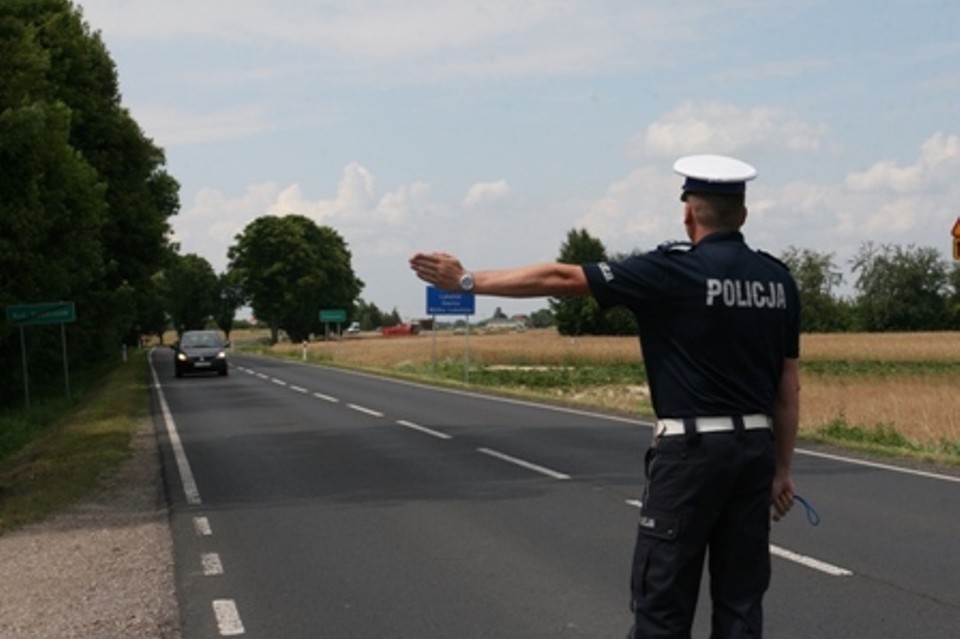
(722, 236)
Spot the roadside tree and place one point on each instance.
(901, 289)
(817, 278)
(578, 315)
(289, 268)
(193, 292)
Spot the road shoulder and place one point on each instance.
(101, 569)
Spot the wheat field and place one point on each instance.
(922, 406)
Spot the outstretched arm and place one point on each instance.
(537, 280)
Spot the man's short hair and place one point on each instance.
(718, 211)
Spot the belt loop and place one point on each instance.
(738, 427)
(690, 431)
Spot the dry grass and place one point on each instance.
(901, 347)
(923, 410)
(532, 348)
(923, 407)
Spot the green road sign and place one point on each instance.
(43, 313)
(333, 315)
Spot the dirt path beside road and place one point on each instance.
(102, 569)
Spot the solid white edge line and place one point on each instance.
(190, 491)
(368, 411)
(789, 555)
(523, 464)
(228, 619)
(423, 429)
(861, 462)
(810, 562)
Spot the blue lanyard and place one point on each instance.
(812, 516)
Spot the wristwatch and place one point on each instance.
(466, 282)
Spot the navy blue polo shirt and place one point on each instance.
(716, 321)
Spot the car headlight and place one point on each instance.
(182, 357)
(221, 355)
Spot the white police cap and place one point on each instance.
(714, 174)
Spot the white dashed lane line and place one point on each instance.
(783, 553)
(523, 464)
(365, 410)
(228, 619)
(423, 429)
(810, 562)
(202, 526)
(212, 566)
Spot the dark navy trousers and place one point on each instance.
(707, 497)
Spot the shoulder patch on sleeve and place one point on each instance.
(675, 246)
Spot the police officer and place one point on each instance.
(719, 331)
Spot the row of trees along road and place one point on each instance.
(85, 208)
(895, 289)
(84, 196)
(85, 204)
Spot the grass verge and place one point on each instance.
(71, 452)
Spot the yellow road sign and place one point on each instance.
(956, 239)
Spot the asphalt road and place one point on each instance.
(316, 503)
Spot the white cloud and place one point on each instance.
(885, 203)
(937, 167)
(726, 128)
(638, 211)
(483, 192)
(416, 39)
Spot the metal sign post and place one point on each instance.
(336, 316)
(41, 314)
(440, 302)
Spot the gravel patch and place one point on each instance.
(102, 569)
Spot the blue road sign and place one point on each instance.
(440, 302)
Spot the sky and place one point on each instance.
(492, 129)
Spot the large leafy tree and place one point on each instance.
(290, 268)
(193, 292)
(954, 299)
(578, 315)
(51, 208)
(901, 289)
(369, 316)
(817, 278)
(230, 299)
(84, 198)
(582, 315)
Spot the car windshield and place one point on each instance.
(208, 340)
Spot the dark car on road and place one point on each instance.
(200, 352)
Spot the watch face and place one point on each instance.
(466, 281)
